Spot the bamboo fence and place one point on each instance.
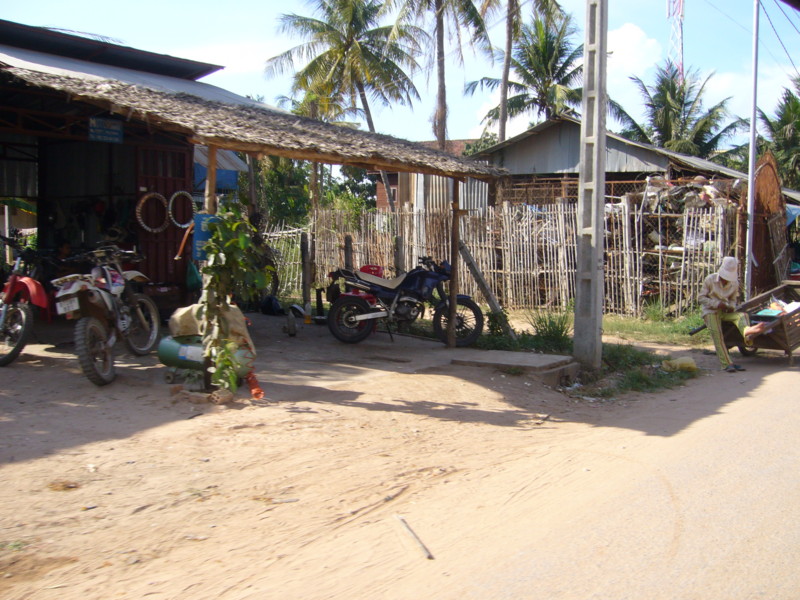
(528, 253)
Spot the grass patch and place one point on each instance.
(658, 328)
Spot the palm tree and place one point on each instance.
(545, 65)
(783, 134)
(350, 55)
(462, 15)
(675, 117)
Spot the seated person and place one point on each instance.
(718, 298)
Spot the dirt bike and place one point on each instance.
(107, 307)
(19, 293)
(399, 301)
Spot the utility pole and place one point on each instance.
(587, 346)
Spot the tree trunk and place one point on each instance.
(511, 17)
(371, 126)
(440, 115)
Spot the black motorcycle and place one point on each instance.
(399, 301)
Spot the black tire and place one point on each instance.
(341, 323)
(469, 322)
(745, 350)
(143, 333)
(16, 332)
(94, 356)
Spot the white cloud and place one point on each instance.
(631, 52)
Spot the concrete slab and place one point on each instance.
(504, 358)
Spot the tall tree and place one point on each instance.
(675, 118)
(349, 53)
(546, 70)
(783, 134)
(463, 15)
(549, 10)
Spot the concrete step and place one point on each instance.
(550, 369)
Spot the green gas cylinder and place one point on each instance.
(186, 352)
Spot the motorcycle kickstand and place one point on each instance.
(389, 331)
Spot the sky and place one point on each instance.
(241, 35)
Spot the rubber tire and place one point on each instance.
(19, 316)
(95, 359)
(150, 313)
(747, 350)
(341, 310)
(463, 337)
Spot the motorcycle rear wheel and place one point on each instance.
(142, 335)
(341, 320)
(16, 332)
(469, 322)
(94, 355)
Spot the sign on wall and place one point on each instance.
(105, 130)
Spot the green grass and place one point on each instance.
(661, 330)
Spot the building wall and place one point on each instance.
(556, 150)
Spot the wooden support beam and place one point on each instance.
(455, 239)
(483, 285)
(210, 204)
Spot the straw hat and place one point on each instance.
(729, 270)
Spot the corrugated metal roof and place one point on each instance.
(226, 160)
(99, 51)
(681, 160)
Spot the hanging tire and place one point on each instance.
(342, 323)
(143, 333)
(95, 357)
(16, 332)
(469, 322)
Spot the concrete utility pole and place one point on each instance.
(587, 347)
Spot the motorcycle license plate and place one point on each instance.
(68, 305)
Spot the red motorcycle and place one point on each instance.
(19, 293)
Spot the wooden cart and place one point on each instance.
(783, 332)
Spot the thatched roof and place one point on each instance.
(258, 129)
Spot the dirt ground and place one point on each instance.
(371, 471)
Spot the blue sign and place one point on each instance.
(105, 130)
(201, 234)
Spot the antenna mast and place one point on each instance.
(675, 15)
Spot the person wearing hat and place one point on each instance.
(718, 298)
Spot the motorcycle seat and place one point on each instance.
(392, 284)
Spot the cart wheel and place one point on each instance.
(169, 377)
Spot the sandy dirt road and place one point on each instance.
(516, 490)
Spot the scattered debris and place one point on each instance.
(419, 542)
(63, 485)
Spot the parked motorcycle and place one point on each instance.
(399, 301)
(107, 307)
(19, 293)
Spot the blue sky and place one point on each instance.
(241, 35)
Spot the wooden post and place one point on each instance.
(455, 238)
(348, 252)
(483, 285)
(210, 203)
(399, 255)
(304, 257)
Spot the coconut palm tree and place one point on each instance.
(549, 10)
(546, 71)
(350, 54)
(675, 116)
(463, 16)
(783, 134)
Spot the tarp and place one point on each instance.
(792, 212)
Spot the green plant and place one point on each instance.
(234, 267)
(497, 322)
(552, 328)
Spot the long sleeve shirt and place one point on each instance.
(713, 291)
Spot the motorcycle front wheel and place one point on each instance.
(469, 322)
(94, 355)
(142, 335)
(342, 323)
(15, 332)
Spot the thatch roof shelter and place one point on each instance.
(256, 128)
